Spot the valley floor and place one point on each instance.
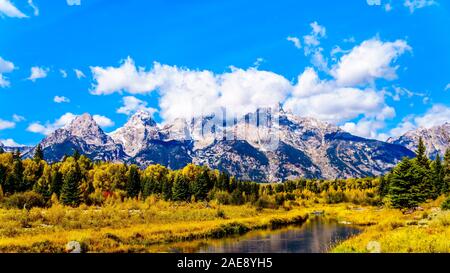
(136, 226)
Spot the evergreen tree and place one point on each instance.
(70, 190)
(421, 155)
(2, 175)
(133, 182)
(147, 186)
(446, 173)
(16, 181)
(180, 189)
(56, 182)
(406, 185)
(1, 150)
(167, 189)
(438, 176)
(200, 187)
(38, 153)
(383, 188)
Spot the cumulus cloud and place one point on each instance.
(50, 127)
(368, 61)
(74, 2)
(79, 73)
(9, 142)
(186, 93)
(438, 114)
(132, 104)
(38, 73)
(413, 5)
(127, 78)
(295, 41)
(5, 124)
(103, 121)
(9, 10)
(344, 97)
(61, 99)
(5, 67)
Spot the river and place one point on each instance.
(317, 235)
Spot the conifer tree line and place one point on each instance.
(77, 179)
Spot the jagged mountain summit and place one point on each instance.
(262, 146)
(436, 139)
(86, 136)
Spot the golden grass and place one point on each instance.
(423, 231)
(131, 226)
(135, 226)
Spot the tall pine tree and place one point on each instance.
(133, 182)
(421, 155)
(438, 176)
(180, 189)
(70, 190)
(406, 186)
(200, 187)
(446, 172)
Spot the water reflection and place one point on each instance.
(315, 236)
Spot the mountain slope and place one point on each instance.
(436, 139)
(84, 135)
(261, 146)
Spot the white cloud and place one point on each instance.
(132, 104)
(124, 78)
(9, 142)
(9, 10)
(103, 121)
(373, 2)
(312, 46)
(312, 40)
(18, 118)
(61, 99)
(34, 7)
(438, 114)
(418, 4)
(185, 93)
(5, 67)
(63, 73)
(369, 61)
(365, 128)
(447, 87)
(79, 73)
(66, 119)
(74, 2)
(344, 98)
(295, 41)
(49, 127)
(5, 124)
(38, 73)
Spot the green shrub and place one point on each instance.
(25, 200)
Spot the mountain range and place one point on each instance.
(436, 139)
(261, 146)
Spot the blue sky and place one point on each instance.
(377, 68)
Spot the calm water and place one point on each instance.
(315, 236)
